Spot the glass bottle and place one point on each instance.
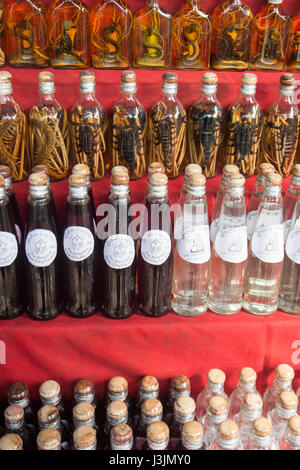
(84, 415)
(158, 435)
(261, 437)
(80, 253)
(217, 412)
(84, 392)
(251, 409)
(244, 122)
(293, 51)
(49, 418)
(152, 37)
(128, 124)
(50, 394)
(292, 195)
(191, 37)
(149, 388)
(18, 394)
(184, 411)
(116, 413)
(117, 389)
(85, 438)
(247, 384)
(88, 126)
(49, 439)
(25, 31)
(11, 441)
(167, 128)
(111, 34)
(2, 53)
(291, 439)
(228, 437)
(190, 169)
(83, 170)
(266, 252)
(49, 130)
(285, 407)
(14, 151)
(229, 252)
(180, 387)
(191, 252)
(5, 171)
(214, 387)
(119, 254)
(281, 128)
(191, 436)
(69, 34)
(152, 410)
(270, 29)
(121, 437)
(284, 375)
(154, 167)
(206, 121)
(14, 423)
(155, 252)
(230, 48)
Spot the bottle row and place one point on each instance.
(110, 36)
(204, 135)
(213, 421)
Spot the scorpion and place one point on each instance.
(285, 142)
(85, 141)
(242, 137)
(228, 43)
(273, 49)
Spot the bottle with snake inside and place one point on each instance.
(293, 54)
(111, 34)
(152, 37)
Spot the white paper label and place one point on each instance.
(194, 246)
(251, 222)
(8, 248)
(213, 229)
(292, 246)
(156, 247)
(78, 243)
(41, 247)
(231, 244)
(267, 243)
(119, 251)
(286, 228)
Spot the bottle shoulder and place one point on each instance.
(36, 6)
(227, 9)
(57, 5)
(152, 10)
(193, 13)
(270, 16)
(103, 6)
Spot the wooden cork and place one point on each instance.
(49, 389)
(152, 407)
(48, 439)
(11, 442)
(149, 384)
(273, 179)
(87, 76)
(284, 373)
(46, 77)
(216, 377)
(156, 167)
(192, 431)
(128, 76)
(180, 383)
(218, 405)
(209, 78)
(38, 179)
(117, 409)
(2, 181)
(5, 77)
(40, 169)
(247, 375)
(81, 168)
(230, 170)
(192, 168)
(119, 179)
(262, 427)
(288, 400)
(185, 405)
(170, 77)
(249, 79)
(84, 436)
(294, 425)
(252, 402)
(264, 168)
(48, 414)
(197, 180)
(236, 181)
(117, 385)
(83, 411)
(159, 179)
(288, 79)
(84, 387)
(77, 180)
(13, 413)
(158, 431)
(18, 391)
(228, 430)
(121, 433)
(5, 171)
(119, 169)
(295, 172)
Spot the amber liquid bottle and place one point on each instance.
(69, 34)
(2, 53)
(111, 34)
(26, 33)
(293, 55)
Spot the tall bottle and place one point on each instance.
(214, 386)
(49, 418)
(49, 130)
(167, 128)
(5, 171)
(291, 439)
(155, 252)
(247, 384)
(154, 167)
(191, 37)
(292, 196)
(50, 394)
(2, 53)
(149, 388)
(180, 387)
(83, 170)
(261, 437)
(285, 407)
(284, 375)
(281, 128)
(206, 122)
(217, 412)
(184, 412)
(128, 122)
(230, 48)
(18, 394)
(14, 422)
(41, 246)
(190, 169)
(191, 252)
(251, 409)
(293, 51)
(266, 252)
(152, 37)
(229, 252)
(151, 411)
(269, 37)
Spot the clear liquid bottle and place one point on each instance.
(49, 418)
(247, 384)
(191, 436)
(251, 410)
(261, 437)
(291, 439)
(214, 387)
(190, 169)
(184, 411)
(291, 197)
(15, 423)
(149, 388)
(229, 252)
(152, 410)
(158, 435)
(228, 437)
(48, 439)
(284, 375)
(180, 387)
(191, 252)
(121, 438)
(85, 438)
(11, 441)
(217, 412)
(285, 407)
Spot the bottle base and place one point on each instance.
(292, 309)
(256, 308)
(224, 309)
(188, 311)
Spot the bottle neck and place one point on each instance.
(216, 419)
(247, 96)
(274, 5)
(88, 422)
(151, 419)
(175, 394)
(54, 425)
(124, 446)
(261, 441)
(158, 191)
(272, 193)
(234, 193)
(295, 181)
(78, 192)
(158, 445)
(119, 191)
(247, 387)
(181, 419)
(169, 91)
(215, 388)
(51, 401)
(146, 395)
(91, 447)
(39, 192)
(14, 426)
(286, 95)
(292, 439)
(192, 445)
(283, 413)
(228, 444)
(250, 415)
(117, 396)
(86, 398)
(114, 421)
(48, 98)
(195, 191)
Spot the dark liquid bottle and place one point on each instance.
(49, 418)
(84, 438)
(49, 439)
(184, 411)
(84, 392)
(180, 387)
(41, 252)
(149, 388)
(152, 410)
(14, 208)
(80, 251)
(18, 394)
(83, 170)
(11, 442)
(121, 438)
(50, 395)
(158, 436)
(116, 413)
(191, 436)
(117, 389)
(14, 423)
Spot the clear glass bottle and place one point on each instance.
(228, 437)
(11, 441)
(284, 375)
(285, 407)
(184, 411)
(49, 439)
(247, 384)
(191, 436)
(191, 252)
(84, 391)
(206, 127)
(291, 197)
(266, 252)
(293, 51)
(121, 438)
(251, 410)
(128, 124)
(5, 171)
(217, 412)
(151, 411)
(149, 388)
(180, 387)
(85, 438)
(167, 128)
(281, 128)
(291, 439)
(190, 169)
(15, 423)
(49, 418)
(154, 167)
(261, 437)
(18, 394)
(88, 125)
(50, 394)
(158, 436)
(214, 387)
(244, 121)
(229, 252)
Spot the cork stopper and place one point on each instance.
(149, 384)
(77, 180)
(273, 179)
(191, 169)
(18, 391)
(38, 179)
(11, 442)
(5, 83)
(2, 181)
(262, 427)
(218, 405)
(128, 76)
(209, 78)
(252, 402)
(119, 169)
(49, 389)
(5, 76)
(87, 76)
(156, 167)
(83, 411)
(5, 171)
(48, 414)
(180, 383)
(13, 413)
(40, 169)
(192, 431)
(46, 77)
(236, 181)
(48, 439)
(216, 377)
(170, 77)
(82, 169)
(121, 434)
(287, 400)
(287, 79)
(84, 437)
(152, 407)
(264, 168)
(249, 79)
(247, 375)
(116, 409)
(295, 172)
(228, 430)
(230, 170)
(159, 179)
(120, 179)
(158, 432)
(197, 180)
(294, 425)
(284, 373)
(118, 385)
(185, 406)
(84, 387)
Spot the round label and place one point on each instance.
(251, 222)
(119, 251)
(41, 247)
(78, 243)
(231, 244)
(194, 246)
(213, 229)
(286, 228)
(292, 246)
(156, 247)
(8, 248)
(267, 243)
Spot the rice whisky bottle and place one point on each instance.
(293, 55)
(2, 53)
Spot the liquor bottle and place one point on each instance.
(49, 418)
(214, 387)
(49, 131)
(50, 394)
(152, 410)
(25, 31)
(149, 388)
(217, 412)
(88, 124)
(228, 437)
(48, 439)
(292, 195)
(247, 384)
(14, 423)
(191, 252)
(293, 51)
(191, 436)
(154, 167)
(13, 143)
(230, 48)
(284, 375)
(229, 252)
(291, 439)
(158, 435)
(84, 392)
(155, 253)
(11, 441)
(270, 29)
(18, 394)
(190, 169)
(85, 438)
(6, 172)
(184, 411)
(180, 387)
(128, 124)
(80, 251)
(119, 254)
(117, 389)
(43, 293)
(111, 34)
(116, 413)
(84, 415)
(121, 437)
(251, 410)
(167, 128)
(2, 53)
(281, 128)
(84, 170)
(191, 37)
(261, 437)
(244, 123)
(266, 252)
(206, 127)
(152, 37)
(286, 407)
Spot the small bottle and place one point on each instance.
(49, 418)
(180, 387)
(266, 252)
(251, 410)
(11, 441)
(247, 384)
(5, 171)
(293, 51)
(217, 412)
(85, 438)
(286, 407)
(190, 169)
(117, 389)
(84, 391)
(121, 437)
(18, 394)
(167, 128)
(228, 437)
(284, 375)
(261, 437)
(152, 410)
(49, 439)
(206, 127)
(214, 387)
(244, 121)
(184, 411)
(229, 252)
(149, 388)
(50, 394)
(191, 436)
(84, 170)
(84, 415)
(154, 167)
(116, 413)
(291, 439)
(291, 197)
(14, 423)
(158, 435)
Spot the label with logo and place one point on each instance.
(41, 247)
(194, 246)
(213, 229)
(267, 243)
(251, 222)
(119, 251)
(292, 246)
(78, 243)
(231, 244)
(156, 247)
(8, 248)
